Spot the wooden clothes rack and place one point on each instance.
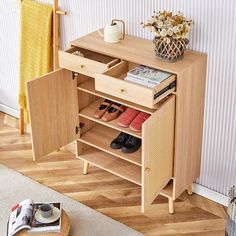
(56, 13)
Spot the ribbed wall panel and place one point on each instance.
(214, 32)
(9, 52)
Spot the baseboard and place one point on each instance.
(10, 117)
(9, 111)
(210, 194)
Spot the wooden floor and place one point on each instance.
(109, 194)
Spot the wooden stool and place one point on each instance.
(65, 228)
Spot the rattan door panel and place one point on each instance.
(157, 152)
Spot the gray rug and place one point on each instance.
(85, 221)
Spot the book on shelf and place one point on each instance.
(144, 82)
(22, 216)
(147, 76)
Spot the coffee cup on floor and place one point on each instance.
(46, 210)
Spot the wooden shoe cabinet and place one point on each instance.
(62, 103)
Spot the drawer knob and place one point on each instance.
(82, 66)
(147, 169)
(122, 90)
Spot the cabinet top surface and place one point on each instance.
(137, 50)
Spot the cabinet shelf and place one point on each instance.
(89, 87)
(113, 165)
(88, 113)
(101, 136)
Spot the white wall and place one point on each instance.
(9, 54)
(214, 32)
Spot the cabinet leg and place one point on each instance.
(86, 166)
(171, 206)
(190, 190)
(22, 122)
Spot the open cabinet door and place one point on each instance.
(157, 152)
(53, 108)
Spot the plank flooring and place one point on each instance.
(109, 194)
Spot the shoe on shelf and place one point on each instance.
(136, 124)
(131, 145)
(102, 108)
(126, 117)
(113, 112)
(119, 141)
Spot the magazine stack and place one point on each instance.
(26, 215)
(146, 76)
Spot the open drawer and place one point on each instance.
(112, 82)
(87, 62)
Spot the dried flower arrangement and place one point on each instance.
(169, 29)
(165, 24)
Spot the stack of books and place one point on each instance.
(146, 76)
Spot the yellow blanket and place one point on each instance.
(35, 45)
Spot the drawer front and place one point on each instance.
(111, 83)
(94, 63)
(123, 89)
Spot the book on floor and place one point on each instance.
(24, 215)
(147, 76)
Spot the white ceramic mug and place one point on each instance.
(112, 32)
(46, 210)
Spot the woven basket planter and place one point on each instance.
(172, 51)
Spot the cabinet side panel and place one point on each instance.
(189, 125)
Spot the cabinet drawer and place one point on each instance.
(87, 63)
(112, 82)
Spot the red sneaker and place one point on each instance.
(126, 117)
(136, 124)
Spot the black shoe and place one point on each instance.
(131, 145)
(119, 141)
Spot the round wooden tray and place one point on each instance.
(65, 228)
